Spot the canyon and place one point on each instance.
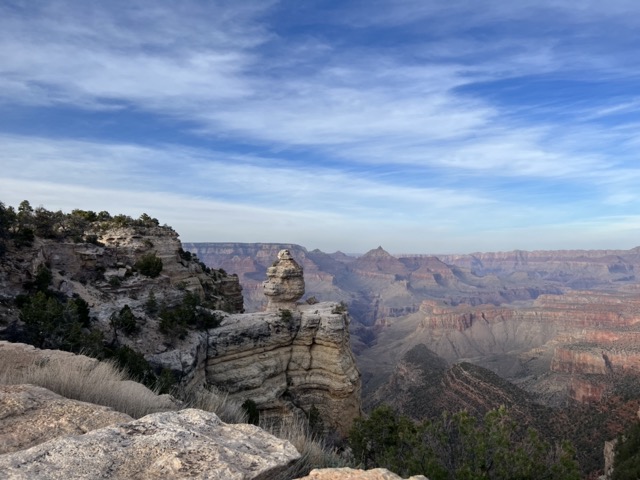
(552, 334)
(520, 314)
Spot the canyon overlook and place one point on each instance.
(524, 315)
(559, 328)
(546, 333)
(288, 360)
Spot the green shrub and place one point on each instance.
(43, 279)
(316, 425)
(286, 315)
(626, 464)
(59, 324)
(151, 305)
(124, 321)
(149, 265)
(134, 364)
(190, 313)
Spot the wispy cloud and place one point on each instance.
(409, 119)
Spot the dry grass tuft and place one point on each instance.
(102, 383)
(213, 400)
(314, 451)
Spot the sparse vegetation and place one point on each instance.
(459, 447)
(627, 460)
(149, 265)
(251, 409)
(151, 305)
(211, 399)
(124, 321)
(314, 451)
(286, 315)
(190, 313)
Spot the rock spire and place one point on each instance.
(285, 283)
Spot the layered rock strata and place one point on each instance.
(288, 365)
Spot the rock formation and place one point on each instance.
(285, 283)
(355, 474)
(288, 365)
(251, 261)
(287, 360)
(31, 415)
(171, 445)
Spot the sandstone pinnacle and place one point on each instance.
(285, 282)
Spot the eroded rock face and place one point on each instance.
(105, 275)
(354, 474)
(30, 415)
(285, 283)
(287, 365)
(170, 445)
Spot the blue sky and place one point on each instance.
(422, 126)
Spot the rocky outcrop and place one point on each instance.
(170, 445)
(288, 360)
(285, 283)
(30, 415)
(595, 358)
(104, 273)
(289, 364)
(586, 390)
(355, 474)
(609, 457)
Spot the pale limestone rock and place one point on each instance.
(30, 415)
(609, 457)
(285, 283)
(287, 365)
(170, 445)
(354, 474)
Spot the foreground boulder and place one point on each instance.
(168, 445)
(30, 415)
(353, 474)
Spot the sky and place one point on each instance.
(423, 126)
